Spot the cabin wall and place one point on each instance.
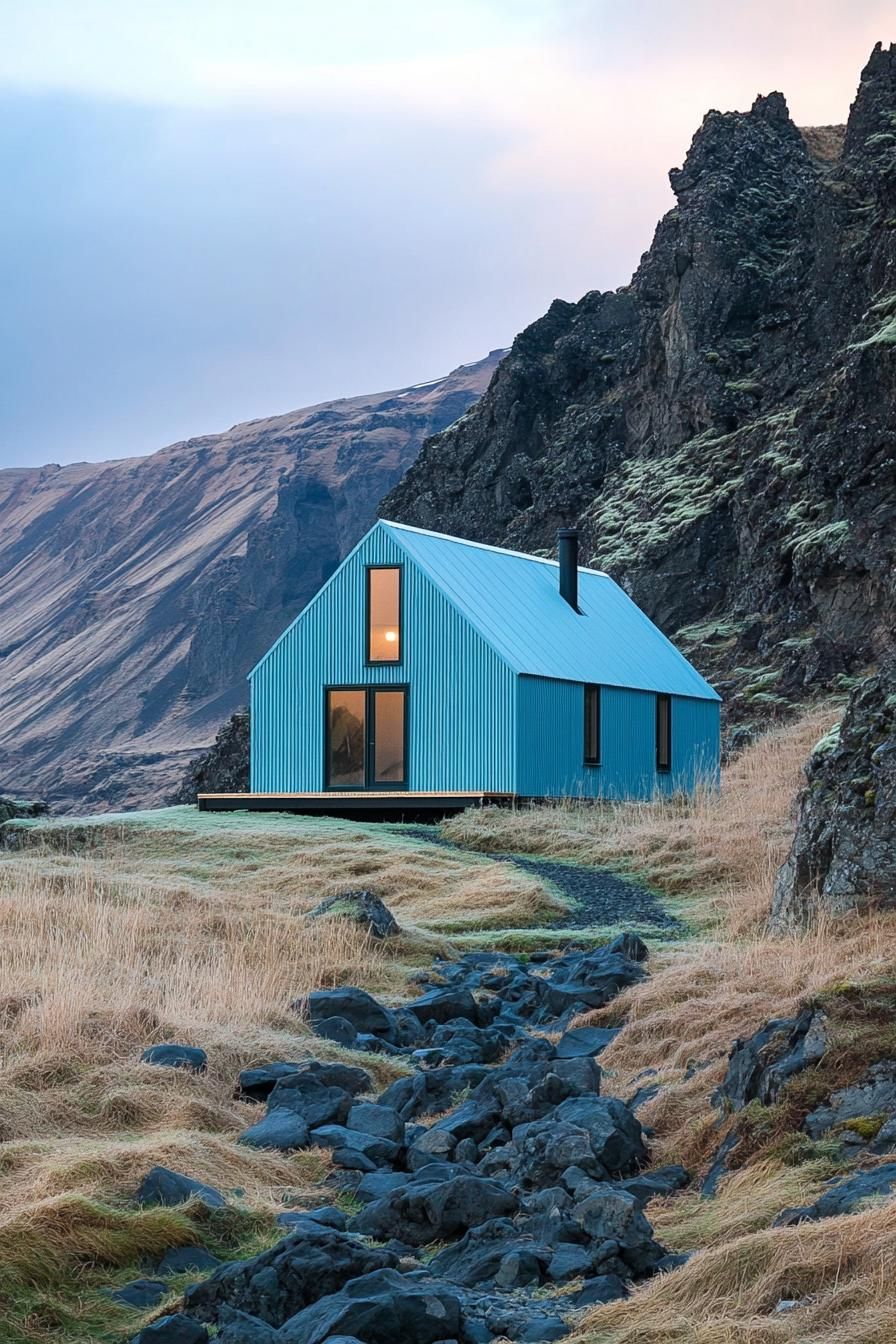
(550, 743)
(461, 698)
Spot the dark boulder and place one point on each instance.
(378, 1184)
(872, 1096)
(432, 1091)
(661, 1181)
(161, 1186)
(354, 1150)
(355, 1005)
(629, 945)
(141, 1294)
(304, 1266)
(612, 1216)
(425, 1211)
(175, 1329)
(184, 1259)
(759, 1066)
(338, 1030)
(257, 1084)
(372, 1117)
(239, 1328)
(188, 1057)
(581, 1041)
(720, 1166)
(476, 1259)
(307, 1096)
(615, 1134)
(602, 1288)
(362, 908)
(845, 1196)
(282, 1130)
(523, 1092)
(382, 1307)
(328, 1216)
(442, 1005)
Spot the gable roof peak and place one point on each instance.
(484, 546)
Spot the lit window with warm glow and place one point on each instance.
(383, 615)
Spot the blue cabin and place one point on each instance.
(428, 664)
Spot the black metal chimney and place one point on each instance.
(568, 555)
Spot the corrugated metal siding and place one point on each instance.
(461, 694)
(514, 602)
(550, 726)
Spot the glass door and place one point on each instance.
(389, 767)
(366, 737)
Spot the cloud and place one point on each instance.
(217, 210)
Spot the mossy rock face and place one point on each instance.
(843, 855)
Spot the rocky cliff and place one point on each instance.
(844, 852)
(722, 428)
(135, 595)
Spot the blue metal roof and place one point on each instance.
(514, 601)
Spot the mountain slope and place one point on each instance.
(723, 429)
(136, 594)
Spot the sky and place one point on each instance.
(216, 210)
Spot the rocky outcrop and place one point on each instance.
(135, 595)
(12, 808)
(225, 767)
(843, 854)
(722, 429)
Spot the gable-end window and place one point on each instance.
(592, 725)
(384, 614)
(664, 732)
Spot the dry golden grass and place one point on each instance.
(117, 937)
(726, 845)
(841, 1270)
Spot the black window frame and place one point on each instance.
(663, 748)
(383, 662)
(370, 784)
(591, 689)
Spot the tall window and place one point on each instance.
(664, 732)
(592, 725)
(383, 614)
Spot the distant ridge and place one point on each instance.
(135, 594)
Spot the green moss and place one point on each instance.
(649, 502)
(747, 385)
(885, 335)
(866, 1126)
(718, 634)
(829, 743)
(796, 643)
(763, 683)
(821, 540)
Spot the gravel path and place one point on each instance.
(597, 896)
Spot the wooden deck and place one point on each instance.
(388, 804)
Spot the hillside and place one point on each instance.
(722, 429)
(136, 594)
